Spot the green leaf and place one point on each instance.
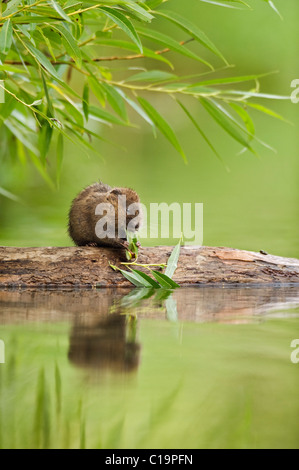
(134, 279)
(6, 37)
(138, 110)
(45, 136)
(42, 60)
(245, 118)
(162, 125)
(60, 11)
(12, 68)
(172, 262)
(154, 3)
(41, 169)
(191, 29)
(228, 80)
(59, 157)
(97, 90)
(47, 42)
(123, 23)
(73, 111)
(12, 7)
(151, 75)
(253, 94)
(19, 134)
(140, 12)
(69, 43)
(105, 116)
(171, 44)
(271, 4)
(164, 280)
(227, 5)
(9, 195)
(85, 100)
(147, 279)
(200, 131)
(115, 100)
(267, 111)
(224, 121)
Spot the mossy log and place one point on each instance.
(87, 267)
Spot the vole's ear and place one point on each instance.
(116, 191)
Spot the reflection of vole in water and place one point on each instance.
(83, 219)
(104, 345)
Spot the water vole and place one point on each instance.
(100, 215)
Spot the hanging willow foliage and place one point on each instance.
(44, 42)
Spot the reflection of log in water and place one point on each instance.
(193, 304)
(103, 324)
(109, 343)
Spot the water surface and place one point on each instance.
(202, 367)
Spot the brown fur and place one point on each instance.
(83, 220)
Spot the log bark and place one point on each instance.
(87, 267)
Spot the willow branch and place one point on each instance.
(100, 59)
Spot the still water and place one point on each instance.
(208, 367)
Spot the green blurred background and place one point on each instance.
(253, 207)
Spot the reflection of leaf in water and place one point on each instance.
(82, 434)
(115, 435)
(57, 389)
(135, 296)
(161, 298)
(164, 408)
(158, 416)
(162, 294)
(41, 429)
(171, 309)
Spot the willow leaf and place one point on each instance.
(42, 60)
(172, 262)
(220, 117)
(6, 37)
(162, 125)
(85, 100)
(191, 29)
(59, 157)
(148, 281)
(164, 280)
(60, 11)
(69, 43)
(151, 75)
(115, 100)
(172, 44)
(207, 140)
(123, 23)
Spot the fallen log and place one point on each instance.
(79, 267)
